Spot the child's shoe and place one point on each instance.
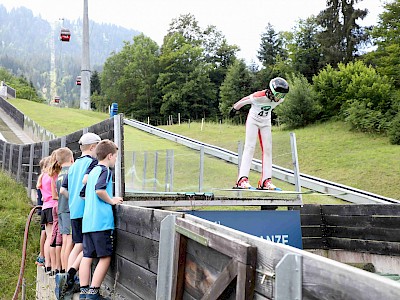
(83, 293)
(39, 261)
(267, 185)
(243, 183)
(93, 294)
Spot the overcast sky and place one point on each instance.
(241, 21)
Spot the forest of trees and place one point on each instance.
(196, 72)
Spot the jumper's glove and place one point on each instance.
(232, 112)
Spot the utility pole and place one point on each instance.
(85, 65)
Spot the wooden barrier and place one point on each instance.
(210, 261)
(359, 228)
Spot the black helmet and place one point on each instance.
(279, 87)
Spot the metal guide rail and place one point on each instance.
(323, 186)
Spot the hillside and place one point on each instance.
(359, 160)
(27, 43)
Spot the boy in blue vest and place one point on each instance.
(71, 187)
(98, 221)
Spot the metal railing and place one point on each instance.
(341, 191)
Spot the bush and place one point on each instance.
(394, 130)
(364, 119)
(338, 89)
(300, 107)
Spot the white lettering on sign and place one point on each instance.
(277, 238)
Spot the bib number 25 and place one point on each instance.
(264, 111)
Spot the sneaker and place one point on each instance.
(83, 293)
(61, 279)
(95, 297)
(243, 183)
(69, 287)
(267, 185)
(40, 261)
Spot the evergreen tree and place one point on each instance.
(237, 84)
(340, 36)
(304, 48)
(271, 47)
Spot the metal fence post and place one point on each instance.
(133, 169)
(165, 272)
(295, 160)
(167, 166)
(288, 278)
(201, 175)
(155, 170)
(171, 169)
(144, 170)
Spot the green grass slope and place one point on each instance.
(14, 210)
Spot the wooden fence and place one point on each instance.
(170, 255)
(359, 228)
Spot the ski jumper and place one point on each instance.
(258, 123)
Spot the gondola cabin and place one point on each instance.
(56, 99)
(65, 35)
(78, 80)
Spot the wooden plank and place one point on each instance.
(311, 220)
(181, 277)
(222, 281)
(136, 279)
(141, 221)
(212, 258)
(314, 243)
(199, 277)
(358, 245)
(364, 233)
(323, 278)
(311, 231)
(245, 282)
(118, 291)
(139, 250)
(310, 209)
(363, 221)
(361, 210)
(234, 248)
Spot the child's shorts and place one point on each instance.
(56, 238)
(98, 244)
(76, 225)
(46, 216)
(64, 223)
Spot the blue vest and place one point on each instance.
(98, 215)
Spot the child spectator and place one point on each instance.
(98, 221)
(47, 187)
(43, 165)
(65, 159)
(56, 239)
(71, 187)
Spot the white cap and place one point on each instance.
(89, 138)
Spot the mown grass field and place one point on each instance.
(329, 150)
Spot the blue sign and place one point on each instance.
(276, 226)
